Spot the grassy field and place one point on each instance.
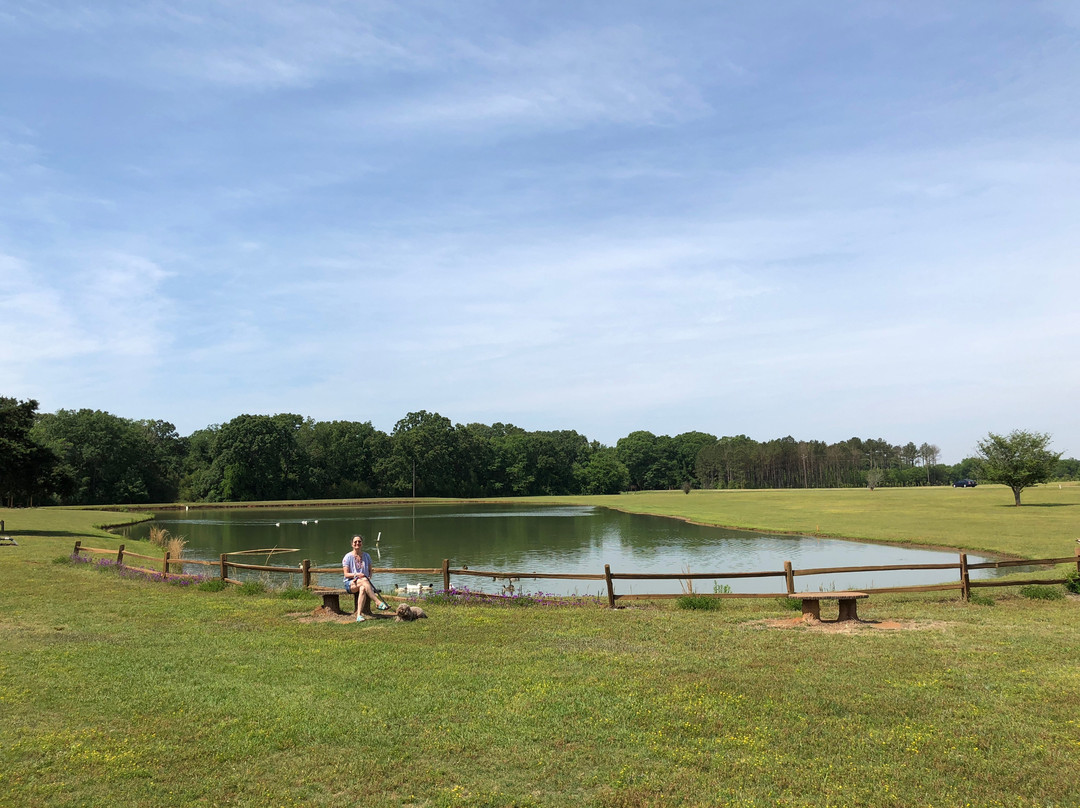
(137, 693)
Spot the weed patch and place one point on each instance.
(698, 602)
(1039, 592)
(252, 588)
(296, 593)
(1072, 581)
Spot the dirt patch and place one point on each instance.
(849, 626)
(323, 615)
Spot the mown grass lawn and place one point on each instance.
(128, 692)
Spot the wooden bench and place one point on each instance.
(332, 601)
(811, 604)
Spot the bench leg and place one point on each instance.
(847, 610)
(811, 610)
(330, 601)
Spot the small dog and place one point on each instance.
(405, 612)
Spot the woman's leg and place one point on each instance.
(375, 596)
(363, 587)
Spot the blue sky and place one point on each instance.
(784, 218)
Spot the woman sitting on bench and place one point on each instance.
(356, 566)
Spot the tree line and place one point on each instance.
(91, 457)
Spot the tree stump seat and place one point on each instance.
(331, 600)
(811, 604)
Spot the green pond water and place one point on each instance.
(523, 539)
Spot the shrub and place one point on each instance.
(699, 602)
(1072, 581)
(252, 587)
(212, 585)
(1038, 592)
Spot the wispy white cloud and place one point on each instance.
(110, 309)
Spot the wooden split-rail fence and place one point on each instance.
(305, 571)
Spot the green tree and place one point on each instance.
(197, 480)
(258, 457)
(1018, 460)
(687, 446)
(27, 468)
(343, 455)
(422, 457)
(1068, 468)
(604, 473)
(109, 459)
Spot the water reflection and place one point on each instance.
(560, 539)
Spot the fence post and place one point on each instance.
(78, 545)
(305, 572)
(965, 578)
(789, 578)
(165, 564)
(1078, 559)
(224, 564)
(120, 556)
(446, 574)
(610, 587)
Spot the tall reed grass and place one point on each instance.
(160, 537)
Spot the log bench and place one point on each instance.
(331, 599)
(811, 604)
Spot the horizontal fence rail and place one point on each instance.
(305, 571)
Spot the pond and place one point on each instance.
(529, 538)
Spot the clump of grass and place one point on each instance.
(252, 588)
(698, 602)
(790, 604)
(1072, 581)
(212, 585)
(687, 585)
(62, 560)
(159, 536)
(175, 545)
(721, 589)
(1039, 592)
(296, 593)
(977, 599)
